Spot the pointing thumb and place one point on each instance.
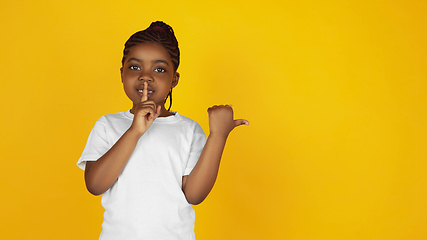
(239, 122)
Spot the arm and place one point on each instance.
(103, 173)
(199, 183)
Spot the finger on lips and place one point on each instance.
(145, 93)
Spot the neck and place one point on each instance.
(164, 112)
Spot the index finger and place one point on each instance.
(144, 96)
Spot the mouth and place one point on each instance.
(148, 91)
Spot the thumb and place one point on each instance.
(239, 122)
(159, 110)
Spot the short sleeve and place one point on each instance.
(197, 144)
(96, 146)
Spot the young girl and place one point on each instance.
(151, 164)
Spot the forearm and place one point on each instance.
(202, 178)
(103, 173)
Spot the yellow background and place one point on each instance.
(335, 92)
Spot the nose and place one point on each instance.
(146, 77)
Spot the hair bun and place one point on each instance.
(158, 28)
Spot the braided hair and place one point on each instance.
(158, 32)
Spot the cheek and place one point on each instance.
(127, 85)
(129, 78)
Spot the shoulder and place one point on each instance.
(113, 117)
(186, 120)
(190, 123)
(112, 121)
(118, 115)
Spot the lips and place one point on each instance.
(140, 90)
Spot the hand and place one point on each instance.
(221, 120)
(144, 113)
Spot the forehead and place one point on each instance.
(149, 51)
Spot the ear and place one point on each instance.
(121, 73)
(175, 79)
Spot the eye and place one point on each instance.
(160, 70)
(134, 68)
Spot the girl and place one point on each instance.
(151, 164)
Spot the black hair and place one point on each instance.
(158, 32)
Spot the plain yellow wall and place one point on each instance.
(335, 92)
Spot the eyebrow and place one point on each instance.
(154, 61)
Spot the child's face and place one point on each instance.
(148, 62)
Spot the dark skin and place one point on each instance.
(147, 76)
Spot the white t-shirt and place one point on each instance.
(147, 201)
